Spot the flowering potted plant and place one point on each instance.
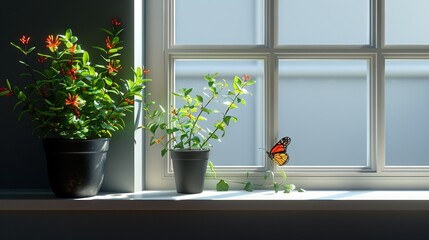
(181, 132)
(76, 105)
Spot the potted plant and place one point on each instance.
(180, 133)
(76, 105)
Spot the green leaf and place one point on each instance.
(100, 48)
(16, 105)
(30, 50)
(49, 102)
(39, 72)
(243, 102)
(85, 58)
(206, 110)
(8, 84)
(21, 96)
(276, 187)
(118, 32)
(98, 105)
(179, 145)
(18, 47)
(138, 72)
(212, 169)
(108, 81)
(115, 40)
(24, 63)
(153, 128)
(301, 190)
(107, 31)
(283, 175)
(22, 114)
(226, 120)
(288, 188)
(73, 39)
(222, 186)
(251, 82)
(4, 93)
(248, 187)
(172, 130)
(107, 126)
(199, 98)
(187, 91)
(45, 55)
(236, 84)
(163, 152)
(196, 140)
(68, 34)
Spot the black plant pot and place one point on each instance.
(190, 168)
(75, 167)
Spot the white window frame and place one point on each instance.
(160, 52)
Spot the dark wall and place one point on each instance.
(22, 163)
(323, 225)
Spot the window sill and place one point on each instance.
(223, 201)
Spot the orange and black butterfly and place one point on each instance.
(278, 151)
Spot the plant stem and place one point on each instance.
(224, 114)
(196, 120)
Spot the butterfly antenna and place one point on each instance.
(265, 151)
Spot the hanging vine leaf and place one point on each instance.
(248, 187)
(222, 185)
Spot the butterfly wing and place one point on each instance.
(280, 158)
(278, 151)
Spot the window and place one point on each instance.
(346, 80)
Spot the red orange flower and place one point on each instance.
(112, 68)
(246, 77)
(115, 22)
(41, 59)
(24, 40)
(72, 49)
(72, 73)
(158, 141)
(129, 101)
(74, 103)
(146, 71)
(109, 44)
(52, 43)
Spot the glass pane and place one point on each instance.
(324, 22)
(323, 107)
(407, 112)
(220, 22)
(244, 139)
(406, 22)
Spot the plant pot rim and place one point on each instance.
(190, 150)
(75, 140)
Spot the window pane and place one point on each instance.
(244, 139)
(323, 107)
(406, 22)
(220, 22)
(324, 22)
(407, 112)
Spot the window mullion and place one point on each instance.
(378, 103)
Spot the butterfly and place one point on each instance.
(278, 151)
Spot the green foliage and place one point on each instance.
(70, 96)
(268, 178)
(222, 185)
(179, 127)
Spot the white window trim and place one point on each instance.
(160, 50)
(210, 200)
